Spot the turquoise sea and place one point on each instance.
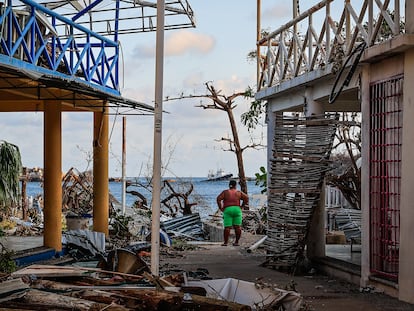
(204, 192)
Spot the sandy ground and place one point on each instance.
(320, 293)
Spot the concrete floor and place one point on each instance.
(19, 243)
(321, 293)
(344, 252)
(341, 252)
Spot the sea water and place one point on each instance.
(204, 192)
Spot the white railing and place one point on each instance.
(334, 198)
(324, 35)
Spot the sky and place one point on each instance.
(215, 51)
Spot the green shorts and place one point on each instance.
(232, 216)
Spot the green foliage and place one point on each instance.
(182, 245)
(385, 31)
(7, 264)
(10, 170)
(261, 179)
(249, 93)
(252, 117)
(252, 55)
(120, 224)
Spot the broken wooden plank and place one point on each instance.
(11, 286)
(159, 282)
(53, 285)
(38, 299)
(65, 271)
(48, 270)
(167, 300)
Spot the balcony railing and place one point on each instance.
(324, 35)
(29, 40)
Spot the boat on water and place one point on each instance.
(218, 175)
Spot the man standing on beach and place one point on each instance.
(228, 201)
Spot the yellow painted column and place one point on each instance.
(100, 172)
(53, 176)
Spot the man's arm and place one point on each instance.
(219, 200)
(245, 199)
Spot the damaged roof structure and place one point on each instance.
(58, 56)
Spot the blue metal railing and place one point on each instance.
(29, 40)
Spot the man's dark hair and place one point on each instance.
(232, 184)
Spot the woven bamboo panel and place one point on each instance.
(301, 150)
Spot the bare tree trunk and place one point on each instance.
(226, 103)
(238, 151)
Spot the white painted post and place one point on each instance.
(156, 181)
(123, 164)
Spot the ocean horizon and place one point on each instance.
(204, 192)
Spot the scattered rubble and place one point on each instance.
(349, 221)
(121, 280)
(125, 283)
(112, 273)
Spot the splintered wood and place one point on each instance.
(301, 151)
(48, 287)
(77, 192)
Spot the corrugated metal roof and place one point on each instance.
(22, 85)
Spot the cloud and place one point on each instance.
(193, 81)
(213, 52)
(277, 12)
(179, 43)
(141, 93)
(185, 41)
(233, 85)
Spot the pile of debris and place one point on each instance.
(112, 273)
(348, 220)
(121, 280)
(103, 274)
(51, 287)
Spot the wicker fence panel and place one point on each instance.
(301, 151)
